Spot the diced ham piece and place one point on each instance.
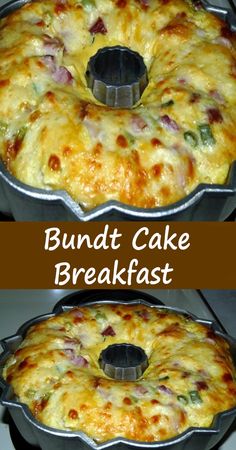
(79, 361)
(78, 313)
(108, 331)
(62, 75)
(98, 27)
(201, 386)
(59, 74)
(49, 62)
(137, 123)
(70, 343)
(140, 390)
(51, 45)
(144, 314)
(165, 389)
(169, 123)
(217, 96)
(214, 115)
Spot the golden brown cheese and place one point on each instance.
(56, 372)
(55, 135)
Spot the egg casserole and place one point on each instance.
(54, 134)
(189, 379)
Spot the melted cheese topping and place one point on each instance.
(190, 376)
(55, 135)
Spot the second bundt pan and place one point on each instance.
(37, 434)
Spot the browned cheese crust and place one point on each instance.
(56, 372)
(55, 135)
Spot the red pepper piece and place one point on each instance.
(108, 331)
(98, 27)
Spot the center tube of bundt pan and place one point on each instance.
(123, 361)
(117, 76)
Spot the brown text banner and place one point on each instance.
(118, 254)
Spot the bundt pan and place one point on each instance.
(206, 202)
(47, 438)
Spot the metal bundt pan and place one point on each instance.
(48, 438)
(206, 202)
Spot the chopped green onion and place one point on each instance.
(47, 395)
(35, 88)
(68, 326)
(130, 138)
(48, 18)
(30, 393)
(195, 397)
(164, 378)
(21, 133)
(3, 127)
(59, 368)
(100, 316)
(134, 399)
(88, 4)
(166, 104)
(191, 138)
(153, 389)
(182, 399)
(207, 137)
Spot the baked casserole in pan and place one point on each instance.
(54, 133)
(53, 366)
